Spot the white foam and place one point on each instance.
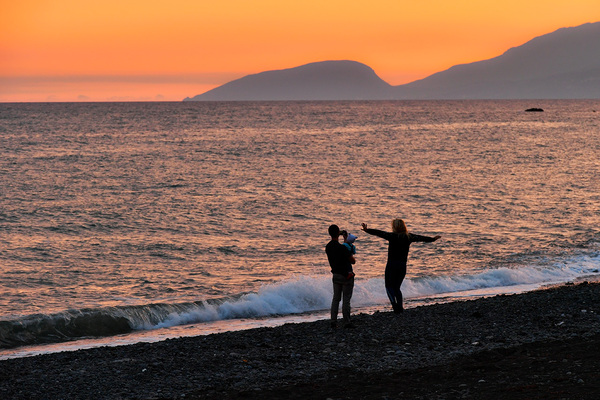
(292, 296)
(502, 277)
(303, 294)
(292, 300)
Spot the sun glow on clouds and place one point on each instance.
(135, 50)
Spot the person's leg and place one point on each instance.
(337, 296)
(397, 304)
(392, 287)
(401, 275)
(394, 275)
(348, 288)
(392, 294)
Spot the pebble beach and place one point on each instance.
(543, 344)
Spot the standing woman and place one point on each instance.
(395, 269)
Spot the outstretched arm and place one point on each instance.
(377, 232)
(421, 238)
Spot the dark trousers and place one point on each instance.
(342, 290)
(394, 275)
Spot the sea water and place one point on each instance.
(140, 221)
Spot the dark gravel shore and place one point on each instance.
(538, 345)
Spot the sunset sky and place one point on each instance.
(74, 50)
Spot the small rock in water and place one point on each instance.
(534, 109)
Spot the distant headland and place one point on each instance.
(564, 64)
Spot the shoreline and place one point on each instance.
(413, 354)
(227, 325)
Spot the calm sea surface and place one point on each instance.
(121, 216)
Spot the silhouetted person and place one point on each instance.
(340, 260)
(395, 269)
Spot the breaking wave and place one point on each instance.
(296, 295)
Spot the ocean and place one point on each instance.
(128, 222)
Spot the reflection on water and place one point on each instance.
(125, 204)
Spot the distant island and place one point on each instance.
(564, 64)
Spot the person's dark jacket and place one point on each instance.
(339, 258)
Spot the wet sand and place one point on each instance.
(541, 345)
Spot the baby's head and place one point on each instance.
(349, 238)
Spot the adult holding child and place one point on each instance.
(395, 269)
(340, 260)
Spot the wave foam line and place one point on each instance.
(313, 293)
(296, 295)
(502, 277)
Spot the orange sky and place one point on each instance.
(70, 50)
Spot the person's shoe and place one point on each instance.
(349, 325)
(333, 324)
(398, 309)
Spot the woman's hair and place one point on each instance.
(398, 226)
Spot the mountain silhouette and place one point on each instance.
(326, 80)
(564, 64)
